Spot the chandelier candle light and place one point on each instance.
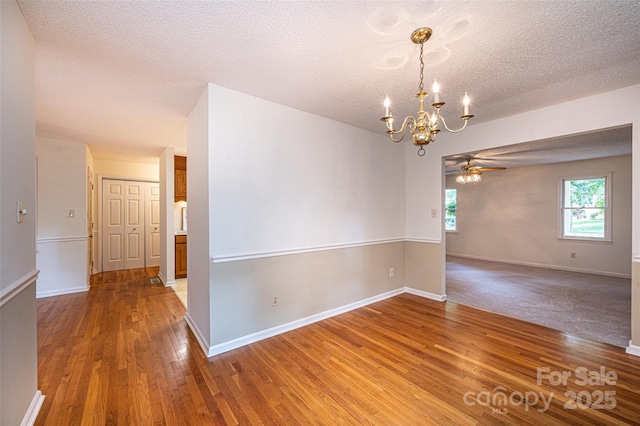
(425, 127)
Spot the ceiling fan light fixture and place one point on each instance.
(470, 173)
(468, 177)
(425, 127)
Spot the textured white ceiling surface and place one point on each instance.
(123, 76)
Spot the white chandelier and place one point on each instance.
(425, 127)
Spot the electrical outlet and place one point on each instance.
(274, 301)
(573, 254)
(434, 213)
(70, 213)
(392, 272)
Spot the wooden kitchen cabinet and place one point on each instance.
(181, 256)
(180, 178)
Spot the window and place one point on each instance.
(585, 208)
(451, 206)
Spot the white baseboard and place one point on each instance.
(274, 331)
(34, 408)
(165, 282)
(50, 293)
(202, 340)
(542, 265)
(633, 349)
(426, 294)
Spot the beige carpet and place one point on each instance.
(587, 305)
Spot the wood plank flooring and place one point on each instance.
(122, 354)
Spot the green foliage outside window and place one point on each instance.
(584, 205)
(451, 206)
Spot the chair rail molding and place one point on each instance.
(17, 286)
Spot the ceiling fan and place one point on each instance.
(470, 173)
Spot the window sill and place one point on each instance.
(586, 240)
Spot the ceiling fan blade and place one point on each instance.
(491, 168)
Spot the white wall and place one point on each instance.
(62, 177)
(19, 398)
(512, 216)
(300, 181)
(62, 242)
(580, 115)
(131, 170)
(304, 185)
(167, 271)
(199, 316)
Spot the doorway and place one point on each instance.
(130, 224)
(505, 235)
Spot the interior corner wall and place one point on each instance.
(62, 241)
(167, 271)
(306, 209)
(517, 211)
(18, 346)
(574, 117)
(422, 271)
(199, 314)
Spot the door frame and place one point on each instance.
(98, 234)
(90, 225)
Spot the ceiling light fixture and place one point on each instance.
(470, 176)
(425, 127)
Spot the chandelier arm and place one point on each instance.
(450, 130)
(396, 140)
(409, 122)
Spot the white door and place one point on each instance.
(134, 229)
(113, 225)
(152, 222)
(125, 230)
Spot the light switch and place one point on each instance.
(20, 211)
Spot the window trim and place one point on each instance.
(607, 207)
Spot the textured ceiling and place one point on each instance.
(123, 76)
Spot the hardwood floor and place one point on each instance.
(122, 354)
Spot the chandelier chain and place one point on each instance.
(421, 86)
